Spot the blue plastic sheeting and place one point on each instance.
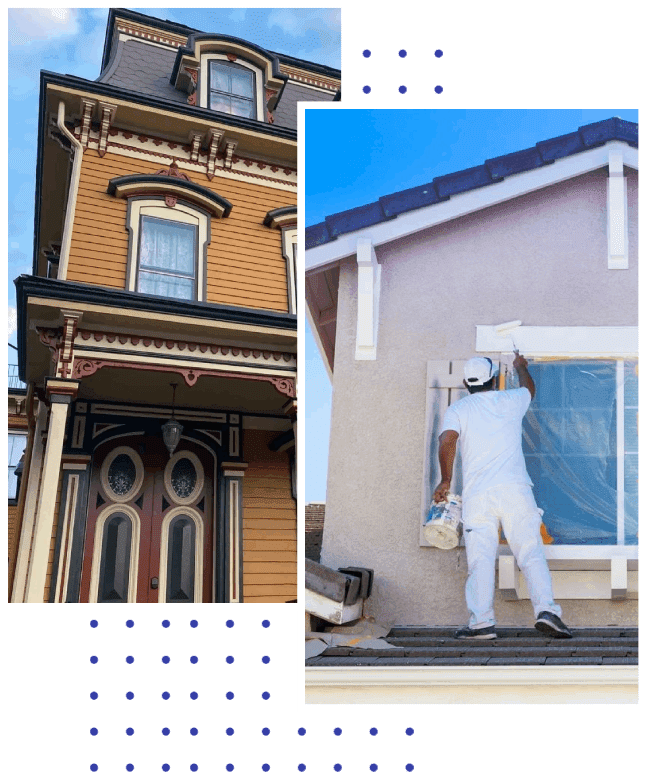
(571, 450)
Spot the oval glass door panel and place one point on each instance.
(115, 559)
(122, 475)
(181, 560)
(184, 478)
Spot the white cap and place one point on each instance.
(479, 370)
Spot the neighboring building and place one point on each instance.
(315, 515)
(402, 291)
(159, 330)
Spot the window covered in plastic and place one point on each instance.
(580, 441)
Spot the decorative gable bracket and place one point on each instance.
(368, 300)
(107, 114)
(617, 220)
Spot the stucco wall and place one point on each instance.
(541, 258)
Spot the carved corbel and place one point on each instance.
(213, 141)
(66, 353)
(195, 140)
(86, 120)
(230, 146)
(107, 113)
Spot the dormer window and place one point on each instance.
(232, 89)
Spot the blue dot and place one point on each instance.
(409, 731)
(130, 624)
(194, 732)
(166, 623)
(94, 695)
(373, 767)
(166, 767)
(438, 89)
(337, 767)
(93, 659)
(266, 623)
(165, 659)
(230, 732)
(409, 767)
(194, 695)
(266, 732)
(166, 695)
(230, 767)
(337, 732)
(194, 767)
(94, 625)
(230, 659)
(94, 731)
(166, 731)
(94, 767)
(130, 695)
(229, 695)
(265, 695)
(130, 767)
(266, 659)
(373, 732)
(402, 53)
(230, 623)
(438, 53)
(194, 659)
(129, 659)
(302, 767)
(366, 53)
(130, 731)
(366, 89)
(402, 89)
(194, 623)
(302, 732)
(266, 767)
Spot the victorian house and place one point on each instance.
(158, 330)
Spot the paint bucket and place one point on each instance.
(444, 526)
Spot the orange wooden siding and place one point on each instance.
(245, 265)
(269, 523)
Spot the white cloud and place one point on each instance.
(13, 320)
(27, 25)
(285, 18)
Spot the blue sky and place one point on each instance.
(71, 41)
(355, 156)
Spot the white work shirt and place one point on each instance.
(489, 426)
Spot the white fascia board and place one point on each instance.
(463, 204)
(317, 338)
(565, 341)
(347, 677)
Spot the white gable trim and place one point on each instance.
(368, 301)
(471, 201)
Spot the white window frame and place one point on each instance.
(179, 213)
(289, 243)
(259, 80)
(22, 433)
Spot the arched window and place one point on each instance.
(180, 567)
(115, 559)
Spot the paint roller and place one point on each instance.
(506, 329)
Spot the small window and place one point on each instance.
(231, 89)
(167, 258)
(17, 444)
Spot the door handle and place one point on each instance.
(155, 583)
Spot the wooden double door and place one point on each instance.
(149, 532)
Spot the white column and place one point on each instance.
(368, 300)
(60, 393)
(233, 473)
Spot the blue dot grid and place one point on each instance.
(173, 731)
(402, 54)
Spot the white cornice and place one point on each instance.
(317, 258)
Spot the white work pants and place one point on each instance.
(514, 507)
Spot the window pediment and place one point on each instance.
(155, 185)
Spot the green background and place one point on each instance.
(501, 50)
(48, 711)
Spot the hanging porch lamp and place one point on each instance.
(172, 430)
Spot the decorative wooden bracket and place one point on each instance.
(213, 140)
(368, 300)
(173, 171)
(195, 139)
(66, 351)
(230, 148)
(617, 220)
(86, 120)
(107, 113)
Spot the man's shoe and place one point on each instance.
(549, 623)
(485, 633)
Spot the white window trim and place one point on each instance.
(24, 434)
(259, 81)
(179, 213)
(198, 566)
(132, 514)
(289, 243)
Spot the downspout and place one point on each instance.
(72, 193)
